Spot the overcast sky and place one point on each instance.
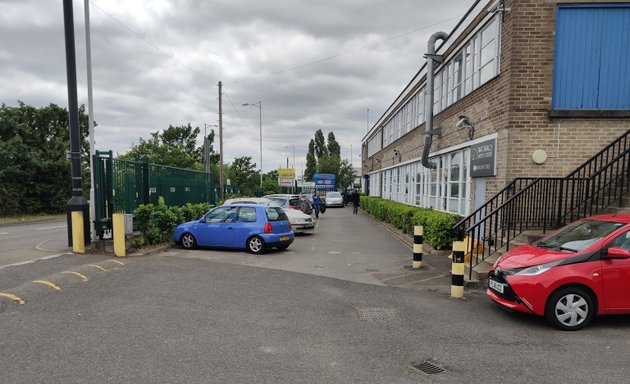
(313, 65)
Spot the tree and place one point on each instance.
(325, 157)
(311, 162)
(35, 175)
(346, 175)
(242, 173)
(175, 147)
(333, 146)
(320, 145)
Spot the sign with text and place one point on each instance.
(324, 179)
(286, 173)
(483, 159)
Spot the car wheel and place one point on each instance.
(570, 308)
(256, 245)
(188, 241)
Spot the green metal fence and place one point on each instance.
(122, 185)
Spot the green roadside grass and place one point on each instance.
(28, 218)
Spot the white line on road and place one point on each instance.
(4, 233)
(55, 227)
(32, 261)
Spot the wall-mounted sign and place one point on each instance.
(483, 158)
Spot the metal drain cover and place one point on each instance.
(429, 367)
(377, 314)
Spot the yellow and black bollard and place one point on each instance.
(418, 233)
(118, 233)
(457, 278)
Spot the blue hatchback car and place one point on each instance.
(242, 226)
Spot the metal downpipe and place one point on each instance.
(428, 101)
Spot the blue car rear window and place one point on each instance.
(275, 214)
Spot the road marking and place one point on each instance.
(39, 247)
(334, 252)
(422, 281)
(47, 228)
(48, 283)
(116, 261)
(4, 233)
(13, 297)
(97, 266)
(32, 261)
(83, 277)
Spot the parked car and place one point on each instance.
(300, 221)
(334, 199)
(292, 201)
(575, 273)
(242, 226)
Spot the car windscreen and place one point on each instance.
(276, 214)
(579, 236)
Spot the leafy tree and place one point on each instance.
(175, 147)
(346, 175)
(320, 145)
(325, 157)
(35, 175)
(311, 161)
(334, 149)
(242, 172)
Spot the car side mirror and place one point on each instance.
(618, 253)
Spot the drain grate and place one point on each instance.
(377, 314)
(427, 367)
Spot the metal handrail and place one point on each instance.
(548, 202)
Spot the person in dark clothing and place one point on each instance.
(316, 203)
(356, 201)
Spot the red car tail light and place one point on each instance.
(268, 228)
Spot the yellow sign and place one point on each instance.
(286, 173)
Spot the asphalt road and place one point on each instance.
(27, 242)
(319, 312)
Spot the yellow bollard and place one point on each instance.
(78, 237)
(118, 233)
(457, 275)
(418, 232)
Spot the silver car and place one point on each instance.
(300, 221)
(334, 199)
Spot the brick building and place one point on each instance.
(523, 88)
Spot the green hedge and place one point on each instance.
(438, 226)
(157, 222)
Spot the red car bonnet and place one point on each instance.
(529, 255)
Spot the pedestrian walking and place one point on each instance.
(316, 203)
(356, 201)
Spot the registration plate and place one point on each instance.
(284, 238)
(499, 287)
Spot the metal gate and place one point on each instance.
(120, 186)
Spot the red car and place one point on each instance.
(575, 273)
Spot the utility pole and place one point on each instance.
(78, 209)
(88, 54)
(221, 140)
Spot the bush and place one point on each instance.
(438, 226)
(157, 222)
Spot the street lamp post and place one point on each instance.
(292, 185)
(259, 106)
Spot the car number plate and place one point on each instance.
(284, 238)
(499, 287)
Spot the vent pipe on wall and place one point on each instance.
(428, 100)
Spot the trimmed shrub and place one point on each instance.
(157, 222)
(438, 226)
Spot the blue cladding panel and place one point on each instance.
(592, 59)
